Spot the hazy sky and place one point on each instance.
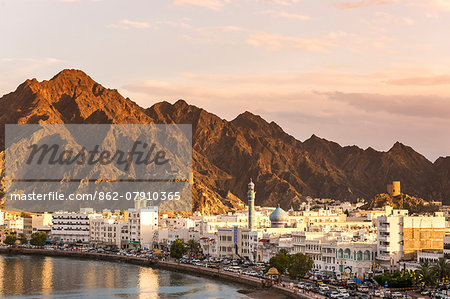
(364, 72)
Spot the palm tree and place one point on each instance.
(193, 246)
(425, 275)
(441, 269)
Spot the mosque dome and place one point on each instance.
(279, 215)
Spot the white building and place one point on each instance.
(429, 256)
(108, 232)
(447, 246)
(142, 224)
(15, 225)
(355, 258)
(44, 219)
(71, 227)
(42, 223)
(237, 242)
(336, 253)
(401, 237)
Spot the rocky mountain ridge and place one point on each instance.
(227, 153)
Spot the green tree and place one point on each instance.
(395, 280)
(425, 274)
(441, 269)
(193, 246)
(300, 264)
(281, 261)
(177, 249)
(23, 239)
(10, 240)
(38, 239)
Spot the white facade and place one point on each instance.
(429, 256)
(237, 242)
(44, 219)
(108, 232)
(71, 227)
(15, 225)
(142, 224)
(402, 237)
(355, 258)
(389, 238)
(447, 246)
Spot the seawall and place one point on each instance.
(218, 274)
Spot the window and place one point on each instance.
(347, 253)
(360, 255)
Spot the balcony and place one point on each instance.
(382, 247)
(384, 238)
(385, 224)
(384, 257)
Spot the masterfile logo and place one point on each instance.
(54, 154)
(53, 167)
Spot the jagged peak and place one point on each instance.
(399, 147)
(181, 103)
(316, 139)
(248, 118)
(249, 115)
(71, 74)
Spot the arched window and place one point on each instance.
(347, 253)
(366, 255)
(360, 255)
(340, 253)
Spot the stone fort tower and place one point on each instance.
(394, 188)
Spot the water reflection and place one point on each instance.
(47, 276)
(148, 283)
(37, 277)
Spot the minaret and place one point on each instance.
(251, 205)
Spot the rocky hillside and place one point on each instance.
(227, 153)
(403, 201)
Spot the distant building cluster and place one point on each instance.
(341, 238)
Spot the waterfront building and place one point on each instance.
(42, 222)
(237, 242)
(337, 252)
(72, 227)
(27, 226)
(15, 225)
(401, 237)
(356, 258)
(209, 245)
(267, 248)
(112, 232)
(142, 224)
(42, 219)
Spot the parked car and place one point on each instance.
(335, 294)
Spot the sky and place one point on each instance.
(358, 72)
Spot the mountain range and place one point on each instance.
(226, 154)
